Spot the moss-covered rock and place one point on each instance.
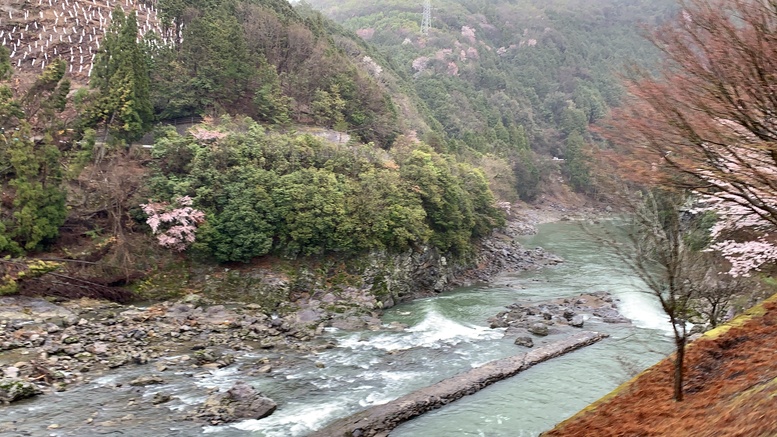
(13, 389)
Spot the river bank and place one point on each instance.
(279, 345)
(55, 344)
(730, 388)
(50, 348)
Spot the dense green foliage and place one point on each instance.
(32, 207)
(297, 195)
(262, 59)
(121, 78)
(501, 85)
(502, 74)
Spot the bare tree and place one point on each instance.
(660, 250)
(666, 246)
(662, 259)
(713, 108)
(717, 292)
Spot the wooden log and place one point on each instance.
(378, 420)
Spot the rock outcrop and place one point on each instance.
(559, 315)
(240, 402)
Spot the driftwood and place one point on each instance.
(71, 287)
(61, 285)
(380, 419)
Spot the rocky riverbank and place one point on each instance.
(56, 346)
(51, 346)
(351, 293)
(541, 322)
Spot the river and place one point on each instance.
(446, 335)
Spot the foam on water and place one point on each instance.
(223, 378)
(107, 380)
(376, 399)
(434, 331)
(392, 383)
(186, 401)
(295, 419)
(643, 310)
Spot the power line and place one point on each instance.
(426, 21)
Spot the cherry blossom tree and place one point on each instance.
(174, 225)
(708, 121)
(743, 238)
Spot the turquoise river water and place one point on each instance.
(446, 334)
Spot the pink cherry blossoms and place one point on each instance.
(743, 178)
(174, 225)
(753, 252)
(206, 135)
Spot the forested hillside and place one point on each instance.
(493, 104)
(521, 80)
(245, 183)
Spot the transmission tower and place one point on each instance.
(426, 21)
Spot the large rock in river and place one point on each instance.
(539, 329)
(238, 403)
(13, 389)
(577, 321)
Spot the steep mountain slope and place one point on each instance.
(499, 74)
(259, 58)
(38, 32)
(248, 181)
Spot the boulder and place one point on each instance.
(349, 323)
(206, 356)
(11, 372)
(577, 321)
(147, 380)
(161, 398)
(238, 403)
(117, 360)
(539, 329)
(13, 389)
(524, 341)
(264, 369)
(308, 316)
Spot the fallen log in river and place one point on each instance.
(378, 420)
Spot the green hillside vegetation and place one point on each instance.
(521, 81)
(262, 59)
(255, 70)
(266, 193)
(441, 126)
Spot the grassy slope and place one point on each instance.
(731, 388)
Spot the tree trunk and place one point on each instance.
(678, 369)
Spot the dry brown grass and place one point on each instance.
(731, 390)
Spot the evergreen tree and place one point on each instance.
(328, 106)
(38, 201)
(10, 109)
(6, 69)
(577, 162)
(270, 102)
(121, 78)
(31, 173)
